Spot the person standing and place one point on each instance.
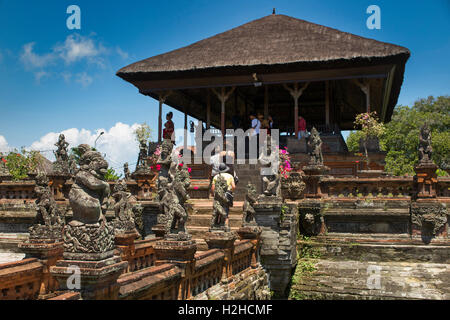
(255, 126)
(169, 128)
(301, 127)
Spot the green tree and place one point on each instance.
(370, 127)
(21, 164)
(401, 137)
(111, 175)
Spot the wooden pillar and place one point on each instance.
(160, 121)
(296, 93)
(327, 103)
(208, 110)
(223, 97)
(266, 101)
(185, 130)
(365, 87)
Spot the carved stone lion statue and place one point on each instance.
(88, 232)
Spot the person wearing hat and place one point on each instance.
(224, 173)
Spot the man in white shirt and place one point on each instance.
(256, 125)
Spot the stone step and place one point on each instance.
(198, 232)
(396, 250)
(204, 220)
(350, 280)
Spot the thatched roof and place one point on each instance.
(272, 40)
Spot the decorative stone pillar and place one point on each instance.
(429, 217)
(89, 238)
(45, 240)
(278, 255)
(48, 253)
(179, 250)
(249, 229)
(426, 180)
(315, 169)
(313, 176)
(224, 240)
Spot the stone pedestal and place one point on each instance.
(98, 278)
(224, 240)
(279, 224)
(426, 179)
(313, 174)
(179, 250)
(429, 219)
(48, 252)
(253, 233)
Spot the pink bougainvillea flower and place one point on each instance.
(181, 164)
(158, 167)
(151, 167)
(4, 160)
(189, 170)
(195, 188)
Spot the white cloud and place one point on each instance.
(77, 47)
(39, 75)
(4, 147)
(32, 60)
(84, 79)
(118, 143)
(124, 55)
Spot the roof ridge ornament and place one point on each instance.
(273, 11)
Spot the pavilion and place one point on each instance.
(280, 66)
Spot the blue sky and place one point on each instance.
(54, 79)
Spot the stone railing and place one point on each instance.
(140, 254)
(382, 187)
(20, 280)
(208, 270)
(20, 190)
(242, 256)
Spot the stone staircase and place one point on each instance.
(200, 220)
(363, 268)
(358, 280)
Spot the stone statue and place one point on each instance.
(165, 159)
(295, 185)
(73, 168)
(124, 209)
(177, 208)
(271, 176)
(88, 232)
(61, 165)
(315, 147)
(126, 171)
(143, 155)
(248, 209)
(221, 204)
(49, 220)
(425, 149)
